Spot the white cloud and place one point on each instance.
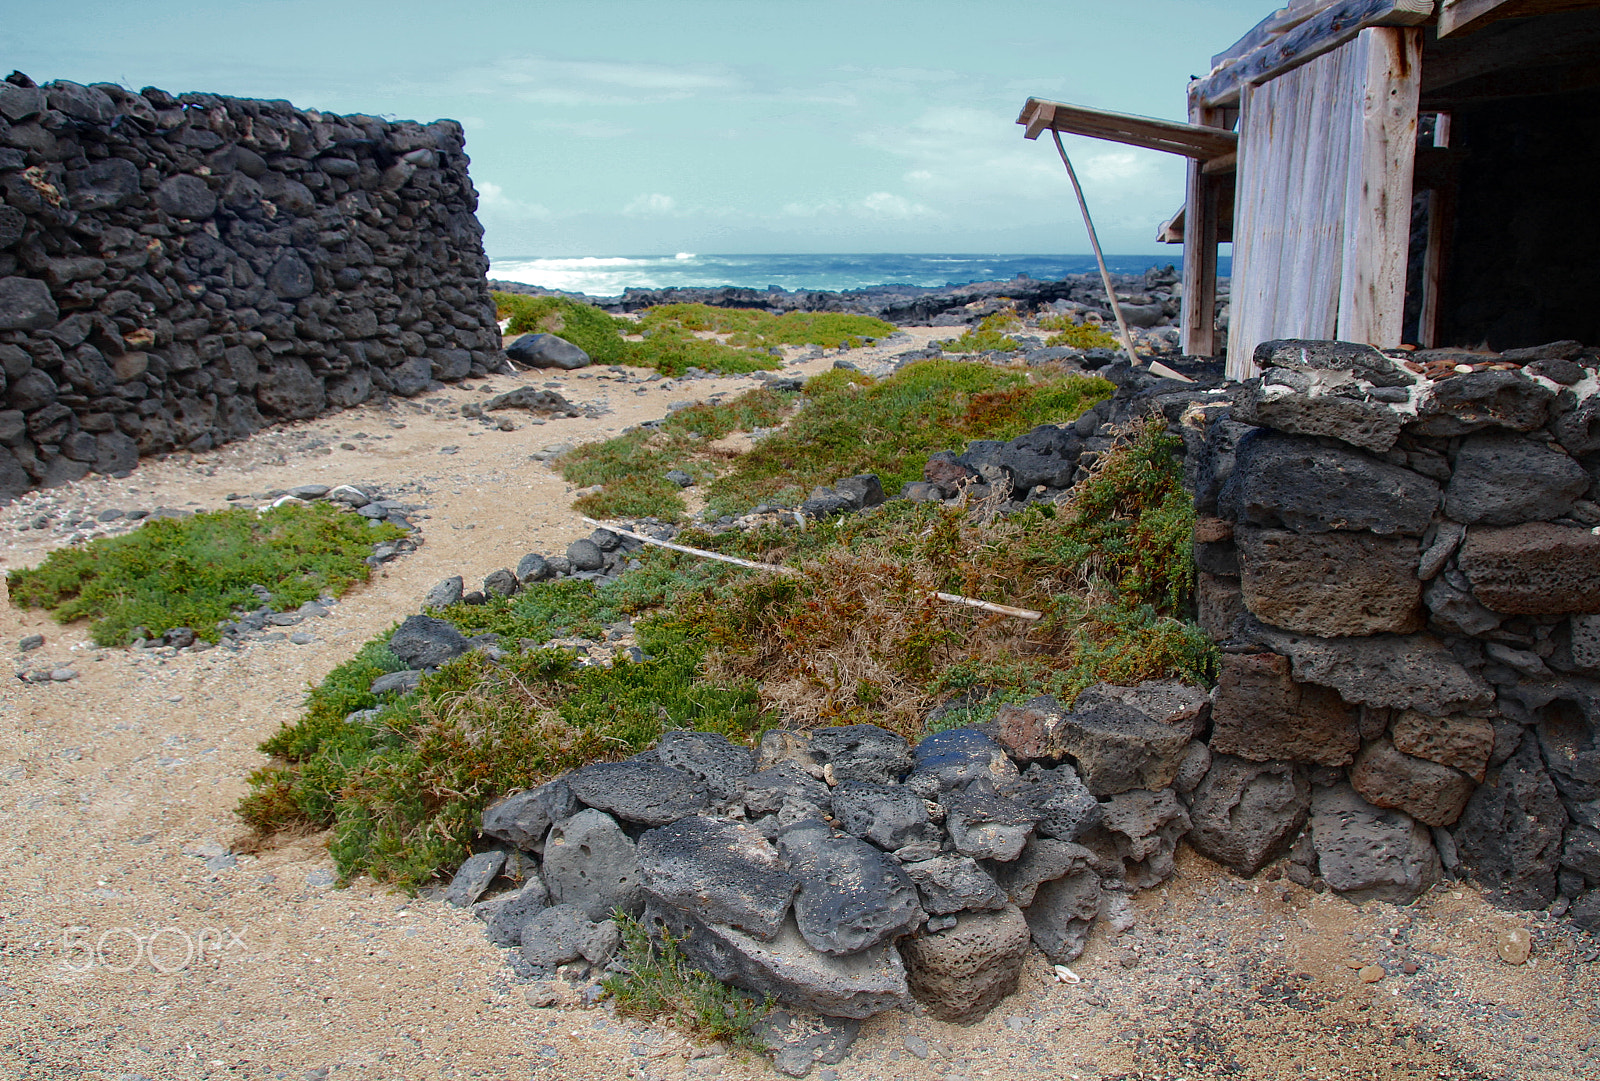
(883, 204)
(653, 204)
(494, 202)
(545, 81)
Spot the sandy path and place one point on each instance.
(116, 792)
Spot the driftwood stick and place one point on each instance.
(953, 598)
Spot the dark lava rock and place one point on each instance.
(1064, 804)
(952, 883)
(769, 791)
(1504, 479)
(890, 816)
(722, 872)
(591, 863)
(958, 758)
(862, 752)
(426, 642)
(987, 826)
(547, 351)
(1293, 482)
(1368, 853)
(722, 766)
(852, 896)
(585, 555)
(640, 792)
(523, 818)
(1245, 814)
(474, 877)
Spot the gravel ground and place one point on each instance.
(134, 943)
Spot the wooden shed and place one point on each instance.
(1388, 171)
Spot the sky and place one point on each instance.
(636, 127)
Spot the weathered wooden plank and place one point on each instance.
(1465, 16)
(1295, 140)
(1273, 26)
(1324, 32)
(1201, 234)
(1170, 136)
(1378, 201)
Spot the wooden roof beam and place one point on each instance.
(1328, 29)
(1465, 16)
(1169, 136)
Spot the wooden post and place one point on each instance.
(1377, 214)
(1200, 221)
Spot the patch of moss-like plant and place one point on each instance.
(1077, 335)
(632, 467)
(196, 571)
(853, 424)
(860, 638)
(992, 334)
(404, 788)
(753, 327)
(659, 983)
(668, 345)
(590, 329)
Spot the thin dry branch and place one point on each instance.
(952, 598)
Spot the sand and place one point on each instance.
(134, 944)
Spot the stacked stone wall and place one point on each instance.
(178, 271)
(1401, 557)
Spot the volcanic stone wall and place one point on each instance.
(1402, 561)
(178, 271)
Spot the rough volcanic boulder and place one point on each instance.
(639, 792)
(1368, 853)
(1244, 814)
(852, 896)
(721, 872)
(591, 864)
(1533, 569)
(1509, 836)
(1262, 714)
(856, 985)
(1289, 482)
(1331, 584)
(1505, 479)
(961, 973)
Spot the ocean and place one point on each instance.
(610, 275)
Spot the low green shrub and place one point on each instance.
(759, 329)
(853, 424)
(196, 571)
(992, 334)
(1077, 335)
(659, 983)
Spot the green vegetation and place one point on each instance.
(403, 788)
(632, 467)
(584, 325)
(992, 334)
(856, 638)
(659, 982)
(859, 639)
(669, 344)
(853, 424)
(194, 572)
(848, 424)
(1077, 335)
(759, 329)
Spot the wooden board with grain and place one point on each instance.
(1329, 29)
(1378, 199)
(1170, 136)
(1289, 214)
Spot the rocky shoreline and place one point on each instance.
(1150, 301)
